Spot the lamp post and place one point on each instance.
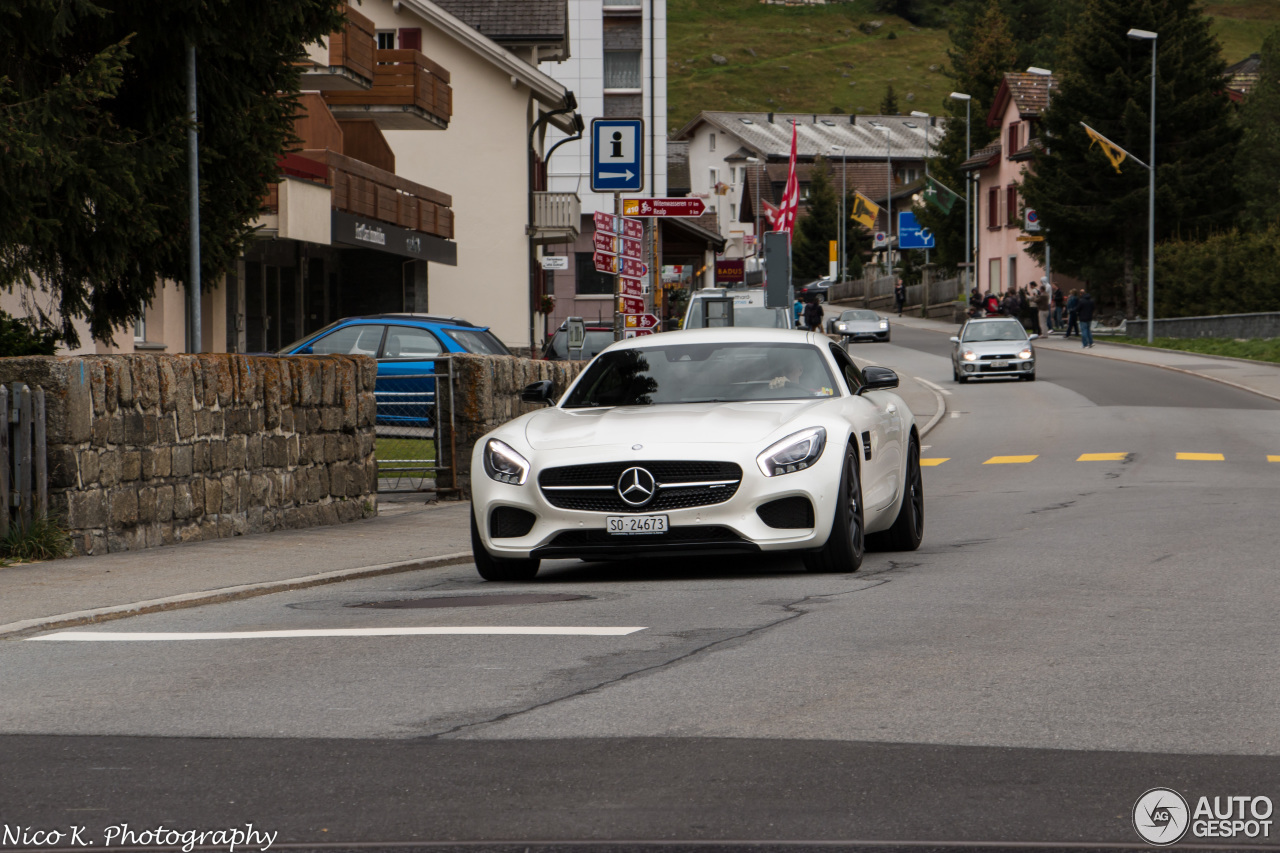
(888, 194)
(1048, 94)
(755, 204)
(968, 179)
(919, 114)
(1147, 35)
(840, 231)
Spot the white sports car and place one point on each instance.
(708, 441)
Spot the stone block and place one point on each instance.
(124, 380)
(134, 432)
(330, 419)
(197, 497)
(168, 534)
(64, 467)
(124, 506)
(239, 524)
(130, 465)
(291, 450)
(328, 513)
(183, 505)
(200, 457)
(168, 383)
(115, 430)
(257, 521)
(255, 452)
(146, 505)
(108, 467)
(164, 503)
(87, 509)
(275, 451)
(209, 529)
(217, 425)
(183, 460)
(286, 419)
(229, 496)
(237, 451)
(226, 528)
(217, 455)
(327, 381)
(146, 382)
(184, 413)
(190, 533)
(155, 534)
(204, 422)
(244, 492)
(166, 429)
(212, 496)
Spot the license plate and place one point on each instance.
(630, 525)
(1000, 363)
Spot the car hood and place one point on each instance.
(868, 325)
(994, 347)
(687, 423)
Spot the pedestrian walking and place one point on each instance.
(1058, 299)
(991, 303)
(975, 303)
(813, 316)
(899, 297)
(1043, 302)
(798, 311)
(1009, 305)
(1084, 310)
(1073, 319)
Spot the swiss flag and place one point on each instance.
(773, 215)
(791, 195)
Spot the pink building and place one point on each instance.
(1002, 261)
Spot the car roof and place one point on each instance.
(725, 334)
(995, 320)
(424, 318)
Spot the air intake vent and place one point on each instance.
(793, 513)
(508, 522)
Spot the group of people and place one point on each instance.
(808, 314)
(1041, 309)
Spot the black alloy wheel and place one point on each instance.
(493, 568)
(846, 543)
(907, 531)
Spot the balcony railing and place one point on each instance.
(350, 58)
(409, 92)
(556, 217)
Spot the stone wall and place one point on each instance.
(487, 394)
(1264, 325)
(149, 450)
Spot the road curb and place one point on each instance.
(230, 593)
(942, 406)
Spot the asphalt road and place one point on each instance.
(1071, 634)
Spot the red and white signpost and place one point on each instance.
(630, 305)
(619, 251)
(639, 321)
(632, 287)
(663, 207)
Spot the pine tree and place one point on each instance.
(889, 105)
(811, 249)
(1095, 218)
(93, 182)
(1258, 163)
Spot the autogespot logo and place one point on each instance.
(1160, 816)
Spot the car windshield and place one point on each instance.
(478, 341)
(859, 315)
(701, 373)
(1004, 331)
(765, 318)
(593, 343)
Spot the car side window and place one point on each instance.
(350, 340)
(853, 378)
(410, 342)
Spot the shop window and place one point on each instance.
(590, 281)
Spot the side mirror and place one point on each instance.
(955, 340)
(1032, 337)
(543, 391)
(878, 379)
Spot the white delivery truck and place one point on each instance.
(738, 306)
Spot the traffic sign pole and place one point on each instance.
(617, 279)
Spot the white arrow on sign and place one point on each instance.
(628, 174)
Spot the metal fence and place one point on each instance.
(413, 446)
(24, 473)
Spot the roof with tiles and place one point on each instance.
(504, 21)
(769, 134)
(1030, 94)
(1243, 76)
(982, 158)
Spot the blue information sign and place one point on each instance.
(911, 235)
(617, 155)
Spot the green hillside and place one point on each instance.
(833, 58)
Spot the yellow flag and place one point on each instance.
(864, 210)
(1114, 152)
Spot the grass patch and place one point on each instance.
(1257, 349)
(391, 450)
(44, 539)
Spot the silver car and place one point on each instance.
(993, 346)
(859, 324)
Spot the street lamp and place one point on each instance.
(888, 193)
(1147, 35)
(1048, 94)
(968, 179)
(919, 114)
(840, 233)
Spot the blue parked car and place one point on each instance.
(406, 346)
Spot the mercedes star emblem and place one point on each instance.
(636, 486)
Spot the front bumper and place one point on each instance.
(735, 525)
(985, 369)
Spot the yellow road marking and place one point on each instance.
(1201, 457)
(931, 463)
(1009, 460)
(1273, 458)
(1102, 457)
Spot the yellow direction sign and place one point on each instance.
(1027, 238)
(864, 210)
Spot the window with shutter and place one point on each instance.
(993, 207)
(1011, 203)
(1015, 132)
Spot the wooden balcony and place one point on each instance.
(557, 217)
(350, 58)
(410, 92)
(365, 190)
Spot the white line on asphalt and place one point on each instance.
(955, 414)
(125, 636)
(934, 387)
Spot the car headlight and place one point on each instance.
(841, 326)
(884, 324)
(793, 453)
(969, 355)
(504, 464)
(1026, 353)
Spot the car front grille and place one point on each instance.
(680, 485)
(994, 357)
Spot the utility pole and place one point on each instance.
(968, 179)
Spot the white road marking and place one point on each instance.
(937, 388)
(955, 414)
(123, 636)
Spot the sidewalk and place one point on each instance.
(1258, 377)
